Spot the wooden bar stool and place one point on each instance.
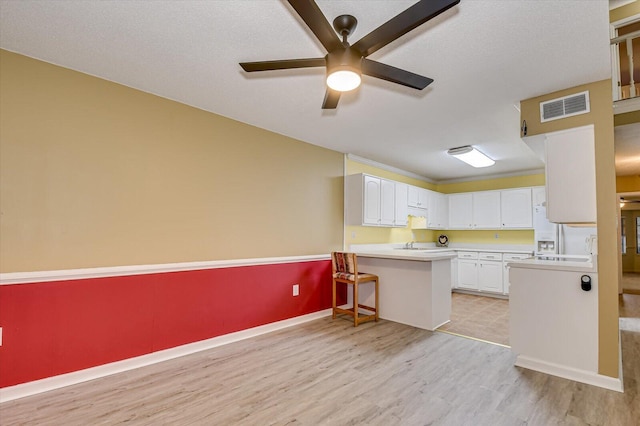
(345, 270)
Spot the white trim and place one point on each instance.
(626, 105)
(117, 271)
(581, 376)
(368, 162)
(50, 383)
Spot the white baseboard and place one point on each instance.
(565, 372)
(50, 383)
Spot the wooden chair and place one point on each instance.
(345, 270)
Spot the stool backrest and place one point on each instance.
(344, 263)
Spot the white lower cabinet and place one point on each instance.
(468, 270)
(483, 272)
(490, 272)
(454, 273)
(506, 258)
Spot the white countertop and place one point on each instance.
(558, 263)
(417, 255)
(431, 248)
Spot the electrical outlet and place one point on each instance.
(296, 289)
(353, 234)
(496, 236)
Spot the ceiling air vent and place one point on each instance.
(564, 107)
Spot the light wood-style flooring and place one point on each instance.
(327, 372)
(631, 282)
(479, 317)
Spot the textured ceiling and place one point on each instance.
(485, 56)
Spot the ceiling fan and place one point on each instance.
(345, 63)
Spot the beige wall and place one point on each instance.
(97, 174)
(625, 11)
(601, 116)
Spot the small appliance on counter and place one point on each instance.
(443, 241)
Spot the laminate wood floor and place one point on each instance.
(479, 317)
(631, 282)
(327, 372)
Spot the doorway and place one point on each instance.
(630, 242)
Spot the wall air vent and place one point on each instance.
(566, 106)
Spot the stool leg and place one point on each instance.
(334, 299)
(376, 296)
(355, 304)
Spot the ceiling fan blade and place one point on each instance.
(395, 75)
(331, 98)
(401, 24)
(317, 23)
(283, 64)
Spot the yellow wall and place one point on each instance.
(627, 183)
(490, 184)
(601, 115)
(382, 235)
(97, 174)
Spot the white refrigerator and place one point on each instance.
(553, 238)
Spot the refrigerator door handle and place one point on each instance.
(560, 234)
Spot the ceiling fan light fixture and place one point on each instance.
(343, 80)
(471, 156)
(344, 69)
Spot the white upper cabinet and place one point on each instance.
(437, 210)
(486, 210)
(373, 201)
(516, 209)
(418, 197)
(461, 211)
(571, 176)
(387, 202)
(401, 203)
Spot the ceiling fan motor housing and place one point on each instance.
(344, 59)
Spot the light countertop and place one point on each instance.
(417, 255)
(558, 263)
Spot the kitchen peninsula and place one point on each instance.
(415, 286)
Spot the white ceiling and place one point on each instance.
(484, 55)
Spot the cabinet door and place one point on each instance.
(486, 210)
(454, 273)
(371, 213)
(417, 197)
(461, 211)
(508, 257)
(570, 176)
(437, 210)
(505, 278)
(401, 213)
(490, 276)
(516, 210)
(387, 202)
(468, 274)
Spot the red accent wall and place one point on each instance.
(52, 328)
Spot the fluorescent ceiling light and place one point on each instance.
(343, 80)
(471, 156)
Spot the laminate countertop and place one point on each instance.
(426, 255)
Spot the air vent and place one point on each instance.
(564, 107)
